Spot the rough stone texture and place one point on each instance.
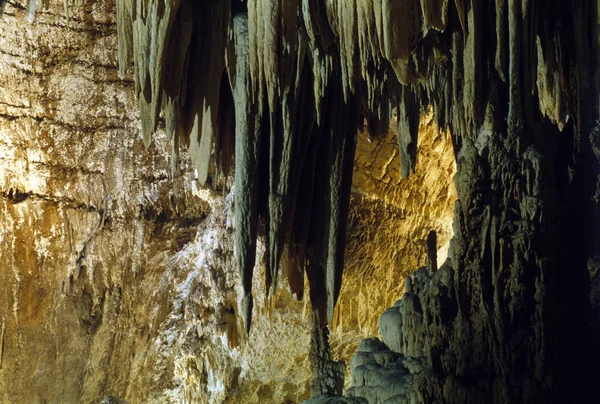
(491, 324)
(517, 83)
(119, 277)
(512, 316)
(316, 70)
(390, 220)
(382, 376)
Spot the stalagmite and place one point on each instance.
(432, 264)
(328, 375)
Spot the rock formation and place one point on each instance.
(271, 95)
(152, 315)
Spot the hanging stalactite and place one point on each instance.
(302, 74)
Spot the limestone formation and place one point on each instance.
(432, 265)
(359, 60)
(153, 311)
(247, 156)
(282, 88)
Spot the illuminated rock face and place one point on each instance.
(125, 278)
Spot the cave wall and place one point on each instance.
(305, 75)
(510, 317)
(390, 219)
(90, 219)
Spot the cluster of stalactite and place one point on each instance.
(280, 87)
(33, 5)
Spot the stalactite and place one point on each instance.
(177, 68)
(284, 139)
(298, 247)
(2, 6)
(340, 185)
(125, 13)
(408, 131)
(435, 14)
(33, 5)
(305, 122)
(302, 76)
(514, 68)
(208, 66)
(432, 265)
(248, 132)
(460, 11)
(500, 28)
(151, 28)
(225, 141)
(280, 87)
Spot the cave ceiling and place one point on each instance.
(300, 77)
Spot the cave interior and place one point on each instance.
(242, 140)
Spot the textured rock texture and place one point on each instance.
(143, 296)
(118, 272)
(390, 219)
(312, 71)
(512, 311)
(303, 77)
